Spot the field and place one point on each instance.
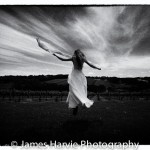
(106, 121)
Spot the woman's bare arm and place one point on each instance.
(63, 54)
(91, 65)
(63, 59)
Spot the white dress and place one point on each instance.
(78, 89)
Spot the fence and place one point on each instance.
(39, 96)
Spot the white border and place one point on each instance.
(73, 2)
(76, 2)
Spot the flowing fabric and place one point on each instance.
(45, 46)
(77, 81)
(78, 89)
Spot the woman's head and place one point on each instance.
(79, 57)
(78, 53)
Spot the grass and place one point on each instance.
(107, 121)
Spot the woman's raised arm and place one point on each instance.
(91, 65)
(62, 58)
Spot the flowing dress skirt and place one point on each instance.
(78, 89)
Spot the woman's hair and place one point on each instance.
(79, 57)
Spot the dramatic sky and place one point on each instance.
(115, 38)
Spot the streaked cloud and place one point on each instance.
(116, 38)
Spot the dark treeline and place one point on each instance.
(55, 88)
(31, 82)
(95, 84)
(6, 79)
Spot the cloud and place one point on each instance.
(116, 38)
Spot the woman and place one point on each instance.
(77, 81)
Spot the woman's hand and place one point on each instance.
(97, 67)
(54, 54)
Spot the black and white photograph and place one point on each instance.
(74, 73)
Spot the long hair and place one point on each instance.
(79, 57)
